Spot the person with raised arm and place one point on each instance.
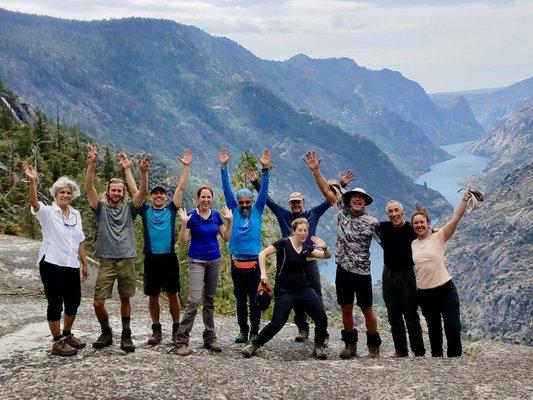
(202, 226)
(285, 217)
(61, 252)
(161, 267)
(291, 287)
(245, 244)
(436, 292)
(114, 247)
(355, 230)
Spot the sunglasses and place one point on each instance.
(67, 223)
(244, 202)
(295, 202)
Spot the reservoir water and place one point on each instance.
(444, 177)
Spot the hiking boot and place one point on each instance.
(104, 340)
(213, 345)
(126, 344)
(74, 342)
(62, 348)
(349, 351)
(320, 352)
(399, 354)
(182, 350)
(249, 350)
(302, 336)
(254, 337)
(241, 337)
(155, 338)
(373, 352)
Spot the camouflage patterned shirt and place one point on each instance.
(354, 235)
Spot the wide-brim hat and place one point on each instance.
(335, 185)
(348, 194)
(158, 187)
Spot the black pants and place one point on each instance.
(245, 283)
(312, 275)
(437, 304)
(61, 286)
(285, 301)
(399, 293)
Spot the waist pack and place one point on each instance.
(244, 264)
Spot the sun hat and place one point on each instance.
(348, 194)
(335, 185)
(264, 296)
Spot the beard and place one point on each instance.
(245, 211)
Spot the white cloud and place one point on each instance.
(448, 45)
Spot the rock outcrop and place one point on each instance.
(282, 369)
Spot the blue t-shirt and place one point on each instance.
(286, 216)
(159, 228)
(204, 243)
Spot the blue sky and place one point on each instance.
(444, 45)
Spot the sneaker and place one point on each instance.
(302, 336)
(349, 351)
(182, 350)
(104, 340)
(155, 338)
(213, 345)
(254, 337)
(373, 352)
(74, 342)
(320, 352)
(126, 344)
(249, 350)
(62, 348)
(241, 337)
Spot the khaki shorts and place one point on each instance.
(121, 269)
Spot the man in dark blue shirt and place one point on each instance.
(285, 218)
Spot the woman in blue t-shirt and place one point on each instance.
(202, 226)
(291, 286)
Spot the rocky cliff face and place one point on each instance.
(510, 145)
(283, 369)
(490, 257)
(20, 112)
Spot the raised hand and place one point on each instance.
(319, 243)
(224, 156)
(186, 158)
(251, 174)
(226, 213)
(347, 177)
(311, 160)
(144, 163)
(124, 161)
(183, 215)
(92, 155)
(29, 171)
(265, 159)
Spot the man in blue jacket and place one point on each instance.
(245, 245)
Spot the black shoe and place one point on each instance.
(126, 344)
(104, 340)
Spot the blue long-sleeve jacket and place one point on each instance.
(245, 240)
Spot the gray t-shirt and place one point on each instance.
(114, 234)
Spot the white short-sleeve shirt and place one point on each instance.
(61, 235)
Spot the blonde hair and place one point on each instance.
(64, 182)
(421, 211)
(299, 221)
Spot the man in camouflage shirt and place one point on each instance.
(355, 229)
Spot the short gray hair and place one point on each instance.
(390, 202)
(64, 182)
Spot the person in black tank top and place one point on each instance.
(291, 287)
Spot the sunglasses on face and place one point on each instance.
(295, 202)
(244, 202)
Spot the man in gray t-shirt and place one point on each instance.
(115, 246)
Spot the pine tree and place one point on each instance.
(109, 167)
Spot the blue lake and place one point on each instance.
(444, 177)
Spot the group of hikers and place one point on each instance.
(414, 270)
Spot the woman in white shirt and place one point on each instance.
(62, 250)
(437, 294)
